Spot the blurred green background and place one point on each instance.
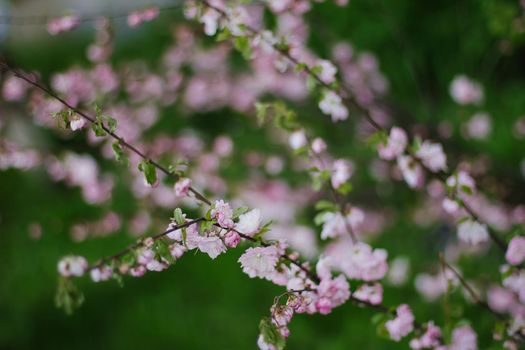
(204, 304)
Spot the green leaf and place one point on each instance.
(178, 216)
(242, 44)
(120, 156)
(377, 138)
(223, 35)
(345, 188)
(319, 218)
(239, 211)
(68, 297)
(271, 334)
(150, 172)
(162, 250)
(325, 205)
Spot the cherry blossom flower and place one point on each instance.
(77, 123)
(249, 222)
(318, 145)
(182, 187)
(136, 18)
(328, 71)
(331, 104)
(341, 172)
(402, 324)
(465, 91)
(432, 156)
(260, 261)
(232, 239)
(464, 338)
(332, 293)
(223, 213)
(102, 273)
(62, 24)
(461, 181)
(297, 139)
(473, 232)
(72, 266)
(212, 246)
(516, 251)
(429, 339)
(411, 170)
(395, 146)
(371, 293)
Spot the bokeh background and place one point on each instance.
(204, 304)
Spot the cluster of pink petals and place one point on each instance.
(260, 261)
(249, 223)
(359, 261)
(341, 172)
(72, 266)
(63, 24)
(515, 254)
(136, 18)
(331, 104)
(473, 232)
(182, 187)
(402, 324)
(466, 91)
(395, 146)
(432, 156)
(430, 339)
(370, 293)
(222, 212)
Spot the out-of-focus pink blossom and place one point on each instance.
(473, 232)
(432, 156)
(395, 146)
(515, 254)
(72, 266)
(136, 18)
(62, 24)
(402, 324)
(465, 91)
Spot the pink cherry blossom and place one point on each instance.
(318, 145)
(429, 339)
(472, 232)
(223, 213)
(249, 222)
(260, 261)
(464, 338)
(402, 324)
(102, 273)
(371, 293)
(232, 239)
(411, 170)
(341, 172)
(212, 246)
(332, 293)
(465, 91)
(328, 71)
(516, 251)
(136, 18)
(331, 104)
(62, 24)
(72, 266)
(395, 146)
(77, 123)
(182, 187)
(432, 156)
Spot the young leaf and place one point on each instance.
(120, 156)
(271, 334)
(68, 297)
(150, 172)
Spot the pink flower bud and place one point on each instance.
(232, 239)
